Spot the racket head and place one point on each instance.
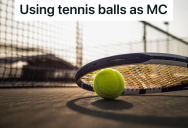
(154, 72)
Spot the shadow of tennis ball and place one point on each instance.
(112, 104)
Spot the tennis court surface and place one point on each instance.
(75, 107)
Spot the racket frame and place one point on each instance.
(132, 59)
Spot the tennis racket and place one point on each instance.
(142, 72)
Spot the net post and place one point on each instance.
(79, 45)
(167, 38)
(144, 37)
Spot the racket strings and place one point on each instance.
(143, 76)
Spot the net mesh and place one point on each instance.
(50, 53)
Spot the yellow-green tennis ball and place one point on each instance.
(109, 83)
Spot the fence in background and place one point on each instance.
(111, 38)
(50, 53)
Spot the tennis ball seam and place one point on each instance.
(114, 93)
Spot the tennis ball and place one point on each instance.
(109, 83)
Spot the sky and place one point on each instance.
(102, 33)
(179, 26)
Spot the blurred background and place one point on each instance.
(48, 54)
